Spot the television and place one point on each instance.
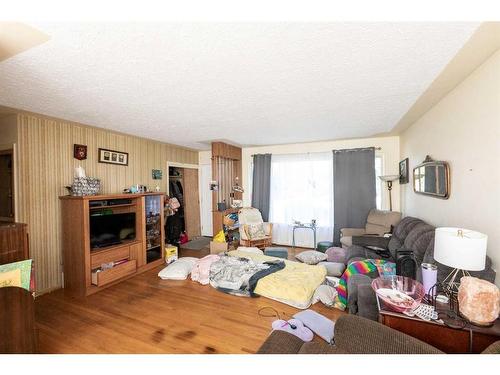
(111, 229)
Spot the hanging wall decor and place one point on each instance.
(404, 176)
(157, 174)
(113, 157)
(80, 152)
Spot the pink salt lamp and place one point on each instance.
(478, 300)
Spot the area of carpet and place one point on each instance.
(198, 243)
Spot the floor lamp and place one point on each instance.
(389, 179)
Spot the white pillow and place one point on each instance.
(311, 256)
(178, 270)
(332, 268)
(254, 250)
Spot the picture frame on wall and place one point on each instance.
(157, 174)
(80, 152)
(404, 176)
(112, 157)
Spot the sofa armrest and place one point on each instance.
(357, 335)
(367, 302)
(280, 342)
(349, 232)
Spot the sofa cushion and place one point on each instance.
(400, 232)
(380, 222)
(418, 240)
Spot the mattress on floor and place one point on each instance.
(294, 285)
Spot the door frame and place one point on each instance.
(11, 152)
(189, 166)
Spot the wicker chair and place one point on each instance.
(247, 217)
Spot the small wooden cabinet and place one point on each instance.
(84, 273)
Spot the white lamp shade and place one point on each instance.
(460, 248)
(392, 177)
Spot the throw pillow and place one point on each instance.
(256, 231)
(332, 268)
(336, 254)
(311, 256)
(254, 250)
(178, 270)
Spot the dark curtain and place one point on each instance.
(354, 192)
(261, 189)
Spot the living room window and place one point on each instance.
(301, 190)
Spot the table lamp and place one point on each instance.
(389, 179)
(462, 249)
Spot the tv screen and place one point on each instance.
(107, 230)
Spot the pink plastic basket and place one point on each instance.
(399, 293)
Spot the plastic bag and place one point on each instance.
(220, 237)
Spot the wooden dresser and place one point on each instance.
(13, 242)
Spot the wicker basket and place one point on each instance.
(85, 186)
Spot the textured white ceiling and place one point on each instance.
(252, 84)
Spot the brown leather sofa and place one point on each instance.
(355, 335)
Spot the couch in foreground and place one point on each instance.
(355, 335)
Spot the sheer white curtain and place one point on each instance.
(301, 189)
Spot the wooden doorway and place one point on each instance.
(7, 185)
(183, 184)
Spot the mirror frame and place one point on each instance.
(430, 162)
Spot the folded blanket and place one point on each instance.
(201, 269)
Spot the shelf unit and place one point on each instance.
(131, 257)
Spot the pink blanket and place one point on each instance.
(201, 269)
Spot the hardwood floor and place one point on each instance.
(148, 315)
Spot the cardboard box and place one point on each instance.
(170, 254)
(218, 247)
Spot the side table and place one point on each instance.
(470, 339)
(304, 226)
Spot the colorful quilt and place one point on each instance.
(360, 267)
(16, 274)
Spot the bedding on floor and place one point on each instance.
(294, 285)
(239, 276)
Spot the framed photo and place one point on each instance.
(157, 174)
(112, 157)
(404, 176)
(80, 152)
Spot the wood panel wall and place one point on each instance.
(46, 165)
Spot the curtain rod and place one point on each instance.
(318, 152)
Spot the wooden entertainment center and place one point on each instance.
(130, 256)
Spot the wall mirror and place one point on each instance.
(432, 178)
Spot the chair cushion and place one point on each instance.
(249, 215)
(255, 231)
(311, 257)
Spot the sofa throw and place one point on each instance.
(362, 267)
